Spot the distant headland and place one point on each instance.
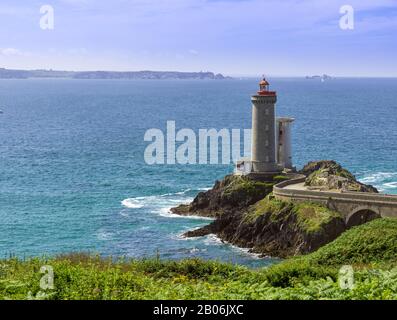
(322, 78)
(127, 75)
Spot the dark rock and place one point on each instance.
(278, 233)
(233, 193)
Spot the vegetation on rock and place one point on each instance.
(371, 245)
(277, 228)
(329, 175)
(232, 193)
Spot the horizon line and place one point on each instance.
(259, 75)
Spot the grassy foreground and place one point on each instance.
(371, 249)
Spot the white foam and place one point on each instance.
(176, 193)
(187, 200)
(156, 200)
(390, 185)
(104, 235)
(132, 203)
(213, 239)
(166, 212)
(204, 189)
(383, 181)
(378, 177)
(196, 250)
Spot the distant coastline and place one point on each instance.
(322, 78)
(133, 75)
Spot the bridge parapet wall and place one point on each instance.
(346, 203)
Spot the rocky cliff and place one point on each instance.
(233, 193)
(247, 215)
(329, 175)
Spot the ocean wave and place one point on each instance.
(166, 212)
(378, 177)
(197, 250)
(153, 200)
(204, 189)
(391, 185)
(213, 239)
(175, 193)
(384, 181)
(104, 235)
(132, 203)
(172, 197)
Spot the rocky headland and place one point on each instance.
(126, 75)
(247, 215)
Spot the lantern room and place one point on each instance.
(264, 88)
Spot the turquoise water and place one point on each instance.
(73, 177)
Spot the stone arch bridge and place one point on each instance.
(356, 207)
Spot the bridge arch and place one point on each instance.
(362, 215)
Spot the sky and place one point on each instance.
(233, 37)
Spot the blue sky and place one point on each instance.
(234, 37)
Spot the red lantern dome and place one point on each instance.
(264, 88)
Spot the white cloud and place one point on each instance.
(10, 52)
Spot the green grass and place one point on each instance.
(370, 248)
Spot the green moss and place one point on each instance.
(345, 174)
(280, 178)
(269, 205)
(311, 216)
(246, 186)
(319, 177)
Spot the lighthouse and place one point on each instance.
(263, 148)
(270, 138)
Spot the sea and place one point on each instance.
(73, 176)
